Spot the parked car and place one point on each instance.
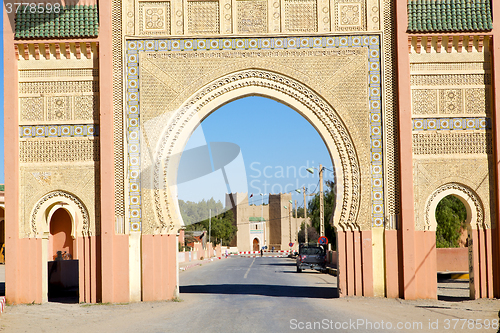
(311, 257)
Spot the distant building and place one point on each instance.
(264, 225)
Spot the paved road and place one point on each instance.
(252, 295)
(261, 295)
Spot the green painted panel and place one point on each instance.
(449, 15)
(256, 219)
(69, 22)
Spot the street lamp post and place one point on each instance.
(321, 201)
(305, 216)
(262, 218)
(290, 221)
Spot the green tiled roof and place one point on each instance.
(71, 21)
(449, 15)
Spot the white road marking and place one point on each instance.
(248, 270)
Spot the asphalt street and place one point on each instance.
(264, 295)
(258, 295)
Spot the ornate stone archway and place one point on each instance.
(273, 85)
(479, 241)
(81, 232)
(471, 201)
(332, 81)
(40, 216)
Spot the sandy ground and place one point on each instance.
(137, 317)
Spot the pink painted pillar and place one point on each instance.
(495, 50)
(358, 276)
(489, 263)
(405, 153)
(391, 264)
(367, 262)
(11, 151)
(349, 253)
(341, 263)
(114, 254)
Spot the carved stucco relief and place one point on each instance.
(168, 80)
(472, 172)
(79, 182)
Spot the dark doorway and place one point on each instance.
(256, 244)
(63, 269)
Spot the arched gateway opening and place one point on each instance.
(307, 103)
(274, 164)
(62, 269)
(344, 107)
(62, 224)
(479, 239)
(266, 84)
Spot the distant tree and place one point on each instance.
(328, 204)
(312, 234)
(193, 212)
(222, 230)
(300, 212)
(451, 215)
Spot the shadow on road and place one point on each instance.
(262, 290)
(281, 264)
(452, 298)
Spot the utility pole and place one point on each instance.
(209, 224)
(321, 218)
(290, 223)
(262, 219)
(296, 232)
(306, 225)
(295, 208)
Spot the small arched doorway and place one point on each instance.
(256, 244)
(62, 269)
(452, 256)
(479, 242)
(60, 240)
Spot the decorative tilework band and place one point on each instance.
(277, 43)
(451, 124)
(54, 131)
(202, 48)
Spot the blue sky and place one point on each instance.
(276, 143)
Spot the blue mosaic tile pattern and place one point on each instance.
(61, 131)
(451, 124)
(134, 47)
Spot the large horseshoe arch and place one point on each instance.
(267, 84)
